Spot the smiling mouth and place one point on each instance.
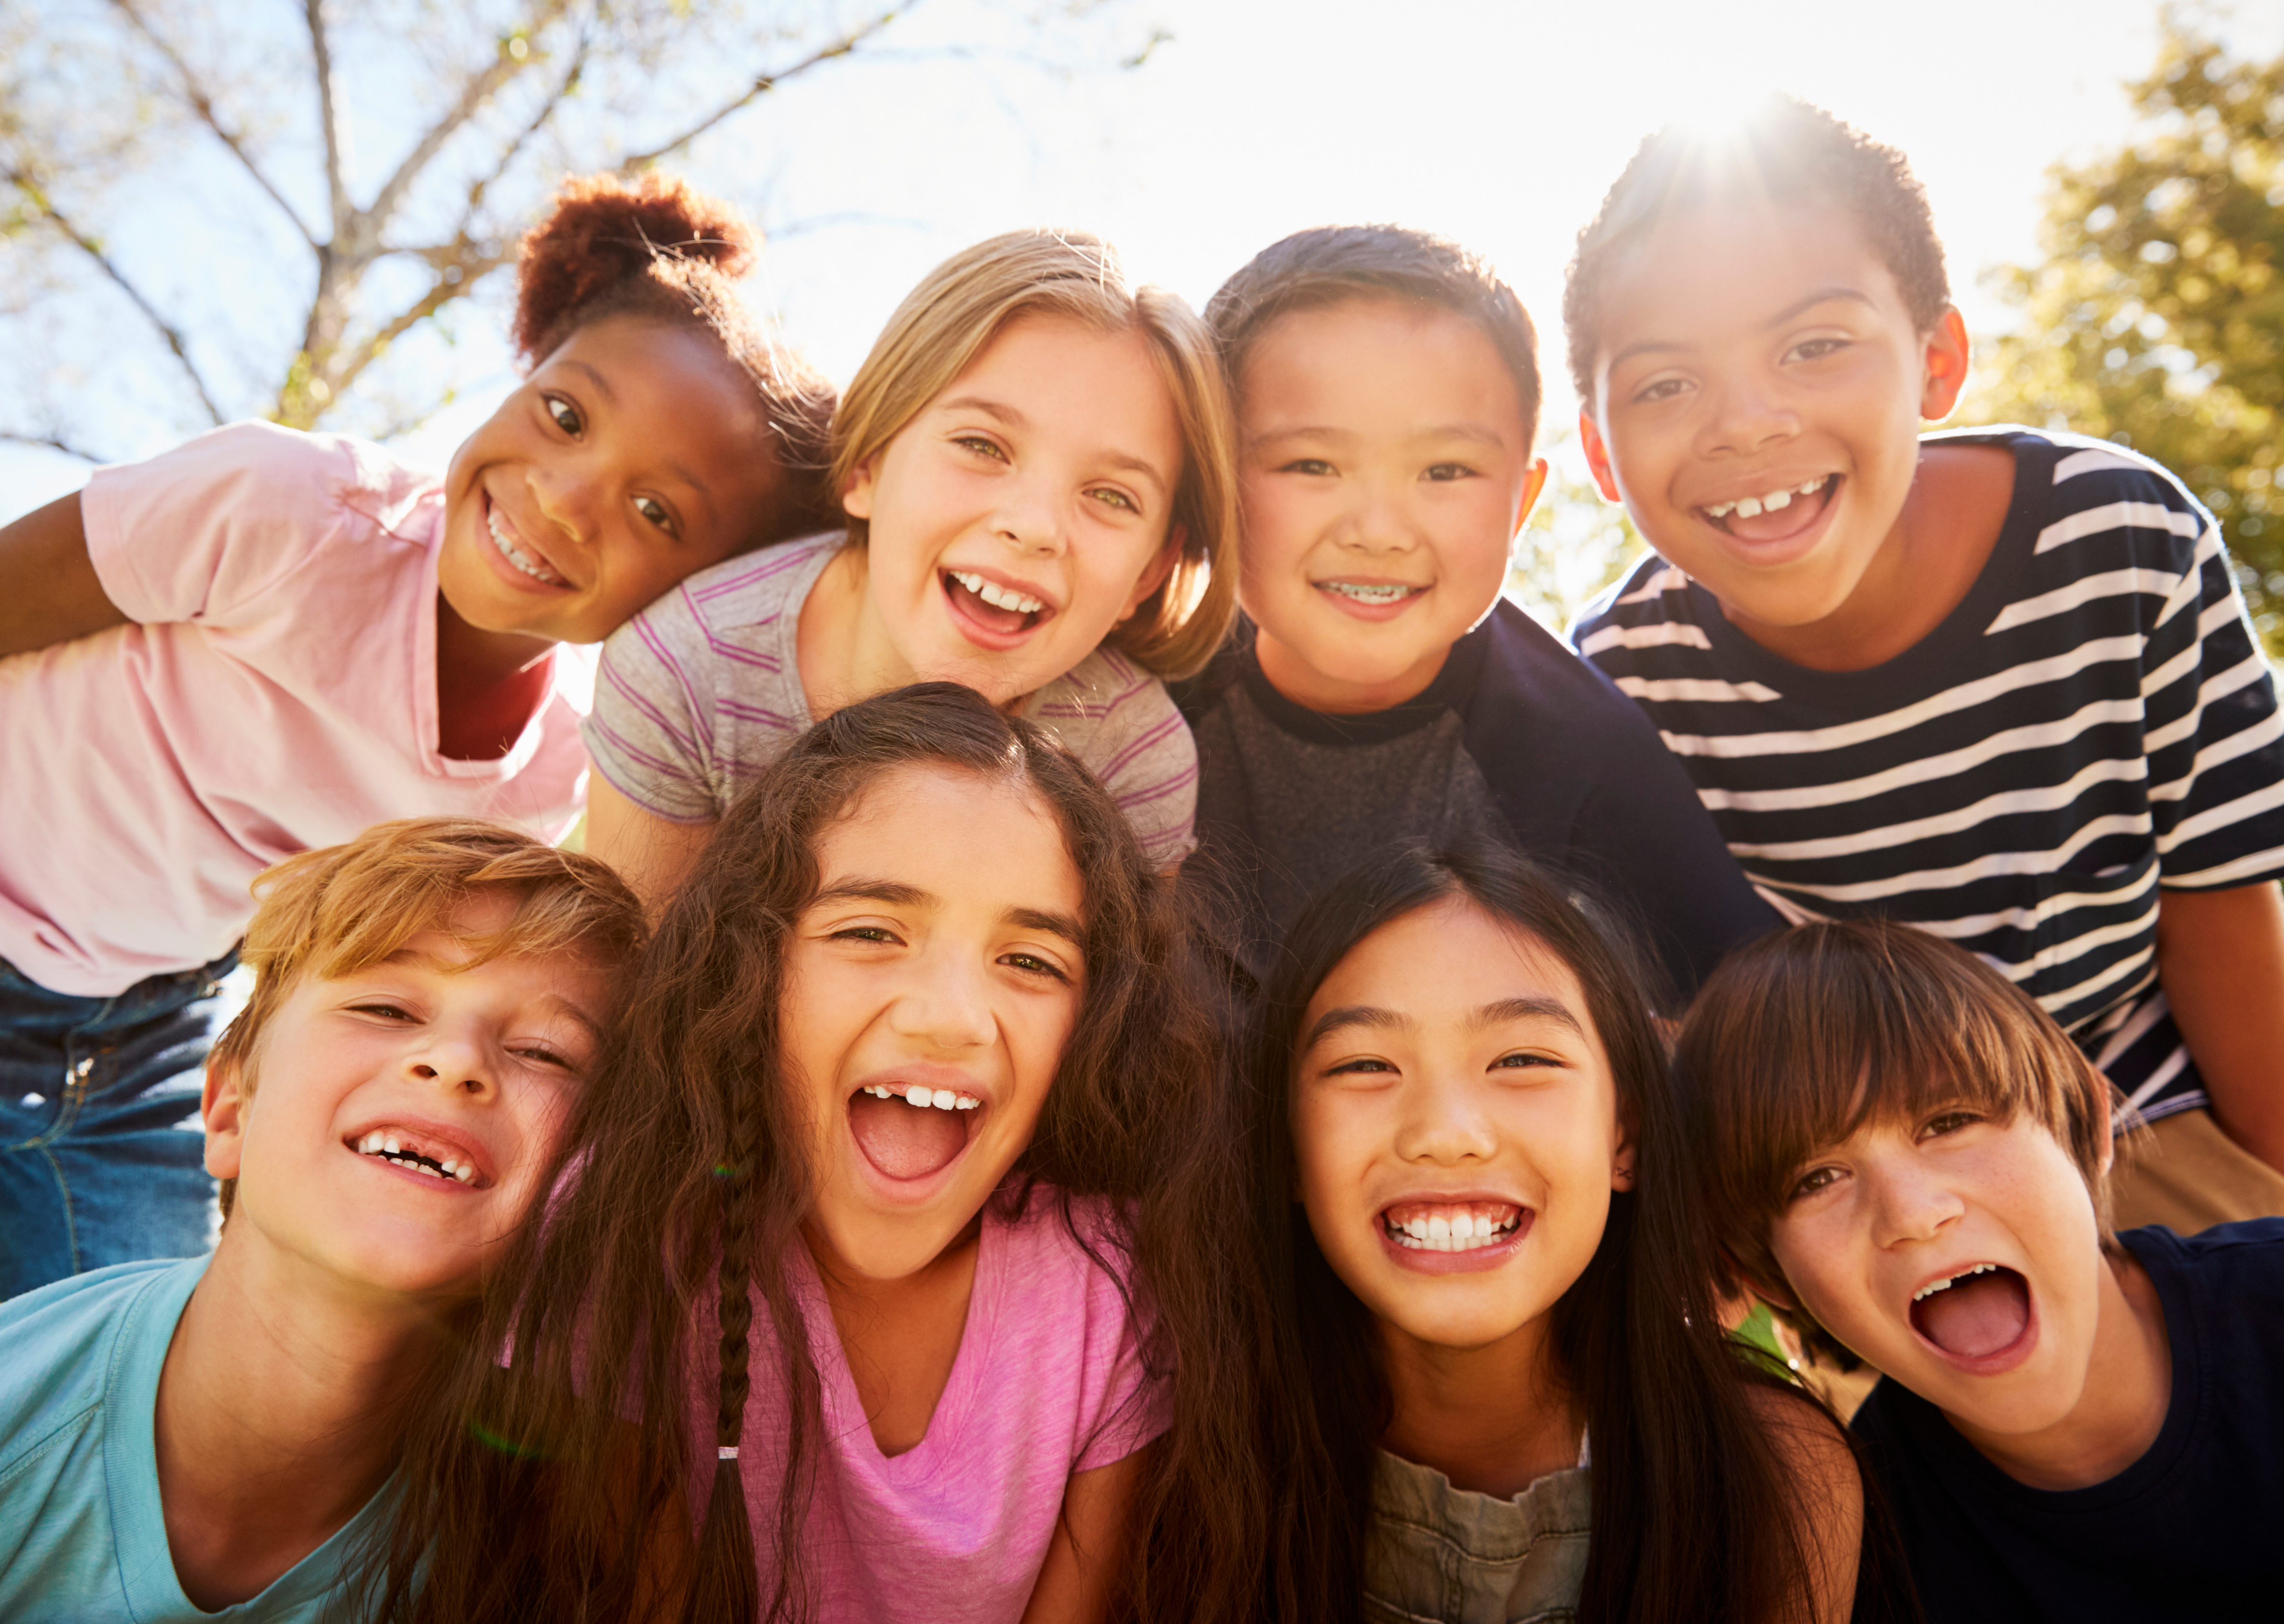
(1000, 609)
(1774, 515)
(1982, 1310)
(536, 568)
(408, 1151)
(908, 1131)
(1377, 594)
(1450, 1226)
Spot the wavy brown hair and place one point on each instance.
(1693, 1514)
(683, 1187)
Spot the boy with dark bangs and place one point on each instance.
(1911, 1158)
(1996, 683)
(215, 1434)
(1378, 688)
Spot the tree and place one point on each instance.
(2157, 320)
(212, 208)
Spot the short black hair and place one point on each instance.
(1330, 264)
(1785, 151)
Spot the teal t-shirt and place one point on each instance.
(82, 1535)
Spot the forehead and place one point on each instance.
(1077, 381)
(1440, 964)
(964, 837)
(1713, 271)
(1377, 365)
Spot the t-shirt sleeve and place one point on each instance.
(1122, 722)
(2211, 730)
(1129, 1406)
(200, 532)
(650, 733)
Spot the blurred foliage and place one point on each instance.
(2157, 320)
(1575, 544)
(210, 210)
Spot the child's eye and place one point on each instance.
(1521, 1058)
(1662, 389)
(865, 933)
(982, 445)
(566, 415)
(1315, 466)
(1118, 499)
(657, 512)
(1445, 472)
(1947, 1122)
(1031, 963)
(1812, 1181)
(544, 1055)
(1362, 1064)
(1814, 349)
(383, 1009)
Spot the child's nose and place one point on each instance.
(1439, 1123)
(1029, 517)
(1909, 1205)
(1746, 418)
(1379, 521)
(454, 1062)
(566, 499)
(944, 1003)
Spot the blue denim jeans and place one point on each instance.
(102, 1159)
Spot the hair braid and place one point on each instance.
(726, 1584)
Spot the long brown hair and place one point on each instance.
(1692, 1517)
(682, 1183)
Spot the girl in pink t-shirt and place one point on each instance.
(919, 1107)
(264, 641)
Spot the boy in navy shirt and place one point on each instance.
(179, 1440)
(1995, 683)
(1910, 1157)
(1378, 688)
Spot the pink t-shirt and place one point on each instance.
(1048, 1381)
(276, 691)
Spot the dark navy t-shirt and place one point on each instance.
(1516, 739)
(2194, 1529)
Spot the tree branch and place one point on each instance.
(504, 66)
(441, 292)
(50, 443)
(201, 104)
(843, 46)
(39, 200)
(523, 136)
(321, 52)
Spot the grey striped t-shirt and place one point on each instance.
(702, 690)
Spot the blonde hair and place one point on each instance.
(962, 304)
(339, 909)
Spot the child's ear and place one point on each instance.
(222, 1108)
(1153, 575)
(1533, 483)
(1945, 362)
(857, 496)
(1598, 459)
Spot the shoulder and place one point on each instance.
(1119, 720)
(2078, 497)
(1576, 709)
(1631, 610)
(727, 614)
(2244, 1261)
(60, 1344)
(271, 469)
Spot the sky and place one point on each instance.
(1499, 122)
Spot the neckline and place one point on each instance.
(428, 700)
(1934, 662)
(948, 1425)
(1461, 667)
(130, 1467)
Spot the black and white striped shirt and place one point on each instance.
(2092, 722)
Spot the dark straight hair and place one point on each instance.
(679, 1199)
(1693, 1518)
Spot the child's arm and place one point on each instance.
(49, 592)
(2220, 959)
(1076, 1583)
(653, 853)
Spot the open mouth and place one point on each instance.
(504, 541)
(1981, 1311)
(1003, 611)
(908, 1131)
(1451, 1226)
(416, 1153)
(1774, 515)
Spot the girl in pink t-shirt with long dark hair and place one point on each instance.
(264, 641)
(892, 1251)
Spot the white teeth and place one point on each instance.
(1776, 499)
(1368, 594)
(998, 596)
(921, 1097)
(1417, 1228)
(1459, 1232)
(1748, 507)
(945, 1100)
(1439, 1228)
(968, 1103)
(389, 1144)
(1933, 1286)
(515, 554)
(942, 1099)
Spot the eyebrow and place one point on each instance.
(1493, 1014)
(429, 961)
(602, 384)
(1791, 312)
(897, 894)
(1440, 431)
